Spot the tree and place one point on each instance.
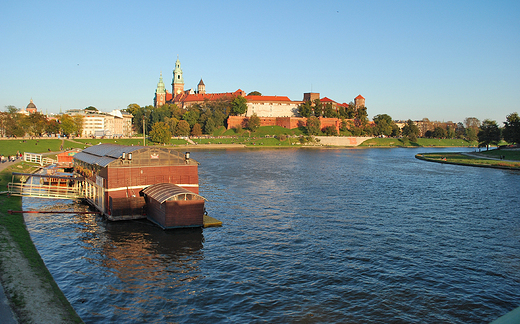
(78, 124)
(318, 108)
(351, 110)
(313, 125)
(254, 93)
(450, 132)
(159, 114)
(460, 131)
(209, 126)
(172, 123)
(471, 134)
(330, 131)
(160, 133)
(472, 122)
(512, 128)
(410, 130)
(12, 122)
(52, 127)
(489, 133)
(196, 130)
(192, 116)
(425, 126)
(396, 131)
(238, 105)
(305, 109)
(67, 125)
(254, 122)
(182, 128)
(439, 132)
(36, 123)
(361, 117)
(384, 125)
(329, 112)
(91, 108)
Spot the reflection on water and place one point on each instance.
(309, 236)
(113, 266)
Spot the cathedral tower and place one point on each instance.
(160, 94)
(177, 81)
(359, 101)
(201, 87)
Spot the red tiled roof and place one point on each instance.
(199, 97)
(267, 98)
(359, 97)
(325, 99)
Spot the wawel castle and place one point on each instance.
(262, 106)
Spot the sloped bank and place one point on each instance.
(32, 292)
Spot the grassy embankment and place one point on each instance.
(267, 136)
(511, 159)
(421, 142)
(15, 226)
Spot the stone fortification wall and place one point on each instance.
(286, 122)
(341, 141)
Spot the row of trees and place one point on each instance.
(15, 124)
(491, 134)
(354, 120)
(487, 133)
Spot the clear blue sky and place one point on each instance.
(443, 60)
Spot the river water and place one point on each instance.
(315, 236)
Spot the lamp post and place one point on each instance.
(144, 133)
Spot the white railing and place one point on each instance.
(37, 158)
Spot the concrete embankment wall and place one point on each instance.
(341, 141)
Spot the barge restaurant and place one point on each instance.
(133, 182)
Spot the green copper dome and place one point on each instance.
(160, 86)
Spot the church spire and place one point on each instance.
(160, 93)
(160, 86)
(178, 80)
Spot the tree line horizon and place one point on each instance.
(169, 120)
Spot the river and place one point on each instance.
(315, 236)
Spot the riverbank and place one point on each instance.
(31, 290)
(42, 145)
(506, 159)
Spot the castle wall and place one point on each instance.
(273, 109)
(285, 122)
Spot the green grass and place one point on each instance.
(509, 154)
(458, 158)
(252, 141)
(15, 225)
(425, 142)
(11, 146)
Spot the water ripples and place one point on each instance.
(331, 236)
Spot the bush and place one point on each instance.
(330, 131)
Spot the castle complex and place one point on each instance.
(262, 106)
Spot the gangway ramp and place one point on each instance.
(46, 186)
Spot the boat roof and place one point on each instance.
(104, 154)
(164, 191)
